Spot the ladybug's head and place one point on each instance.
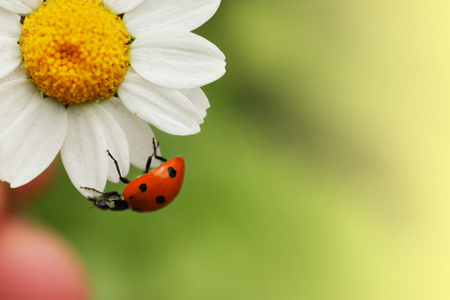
(114, 205)
(102, 204)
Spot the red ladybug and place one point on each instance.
(149, 192)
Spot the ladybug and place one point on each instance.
(149, 192)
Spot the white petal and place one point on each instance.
(31, 142)
(21, 6)
(167, 109)
(18, 73)
(16, 95)
(198, 98)
(176, 59)
(10, 25)
(116, 142)
(162, 14)
(121, 6)
(84, 150)
(138, 132)
(10, 55)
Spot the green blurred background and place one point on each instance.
(321, 171)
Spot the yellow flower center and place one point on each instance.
(75, 50)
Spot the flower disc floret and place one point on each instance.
(75, 50)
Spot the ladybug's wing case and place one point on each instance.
(157, 188)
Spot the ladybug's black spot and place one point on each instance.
(143, 187)
(172, 172)
(136, 209)
(160, 199)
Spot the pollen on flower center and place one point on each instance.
(75, 50)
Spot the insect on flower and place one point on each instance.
(151, 191)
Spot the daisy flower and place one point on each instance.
(84, 76)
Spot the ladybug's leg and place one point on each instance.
(123, 179)
(149, 160)
(104, 194)
(92, 189)
(155, 147)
